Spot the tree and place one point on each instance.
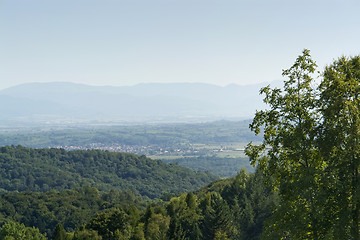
(340, 139)
(157, 227)
(218, 220)
(288, 155)
(86, 234)
(18, 231)
(111, 225)
(59, 232)
(185, 218)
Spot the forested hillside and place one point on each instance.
(72, 208)
(227, 209)
(27, 169)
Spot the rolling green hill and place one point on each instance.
(23, 169)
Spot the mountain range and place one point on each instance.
(64, 101)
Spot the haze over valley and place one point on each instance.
(64, 102)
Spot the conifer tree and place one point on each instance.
(59, 232)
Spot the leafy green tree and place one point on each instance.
(112, 225)
(86, 234)
(340, 144)
(157, 227)
(18, 231)
(185, 217)
(289, 156)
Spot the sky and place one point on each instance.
(127, 42)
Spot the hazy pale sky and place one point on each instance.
(125, 42)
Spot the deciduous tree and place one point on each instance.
(340, 135)
(288, 155)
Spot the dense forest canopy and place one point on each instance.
(233, 208)
(27, 169)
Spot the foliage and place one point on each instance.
(227, 209)
(310, 151)
(71, 208)
(85, 234)
(292, 161)
(23, 169)
(59, 232)
(339, 142)
(18, 231)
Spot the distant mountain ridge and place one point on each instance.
(63, 100)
